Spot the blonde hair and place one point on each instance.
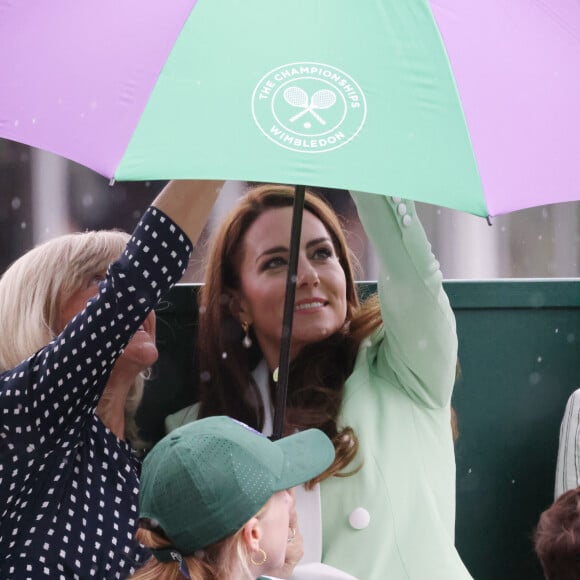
(35, 287)
(223, 560)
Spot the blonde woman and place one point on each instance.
(84, 332)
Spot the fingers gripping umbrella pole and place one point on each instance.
(284, 363)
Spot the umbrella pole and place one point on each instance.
(284, 363)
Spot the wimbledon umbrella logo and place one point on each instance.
(308, 107)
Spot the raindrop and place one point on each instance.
(16, 122)
(366, 343)
(539, 359)
(535, 378)
(469, 470)
(537, 299)
(422, 344)
(93, 105)
(556, 330)
(136, 214)
(87, 200)
(545, 213)
(205, 376)
(16, 203)
(23, 225)
(34, 120)
(570, 338)
(503, 229)
(293, 279)
(224, 355)
(202, 309)
(540, 237)
(513, 481)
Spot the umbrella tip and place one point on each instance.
(488, 219)
(111, 181)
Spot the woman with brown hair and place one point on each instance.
(376, 377)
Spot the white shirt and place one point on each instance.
(568, 464)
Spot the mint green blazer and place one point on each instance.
(395, 518)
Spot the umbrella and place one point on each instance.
(469, 105)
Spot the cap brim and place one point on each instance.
(306, 455)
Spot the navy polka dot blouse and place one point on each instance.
(68, 486)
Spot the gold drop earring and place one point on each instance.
(246, 341)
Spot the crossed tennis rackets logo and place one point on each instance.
(308, 107)
(321, 99)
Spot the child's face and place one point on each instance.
(275, 521)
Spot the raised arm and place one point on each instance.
(188, 203)
(62, 383)
(421, 341)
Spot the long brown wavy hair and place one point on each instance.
(317, 373)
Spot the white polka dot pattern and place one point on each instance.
(68, 486)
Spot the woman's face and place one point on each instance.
(141, 350)
(275, 523)
(320, 304)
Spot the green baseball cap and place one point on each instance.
(205, 480)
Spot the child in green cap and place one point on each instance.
(215, 503)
